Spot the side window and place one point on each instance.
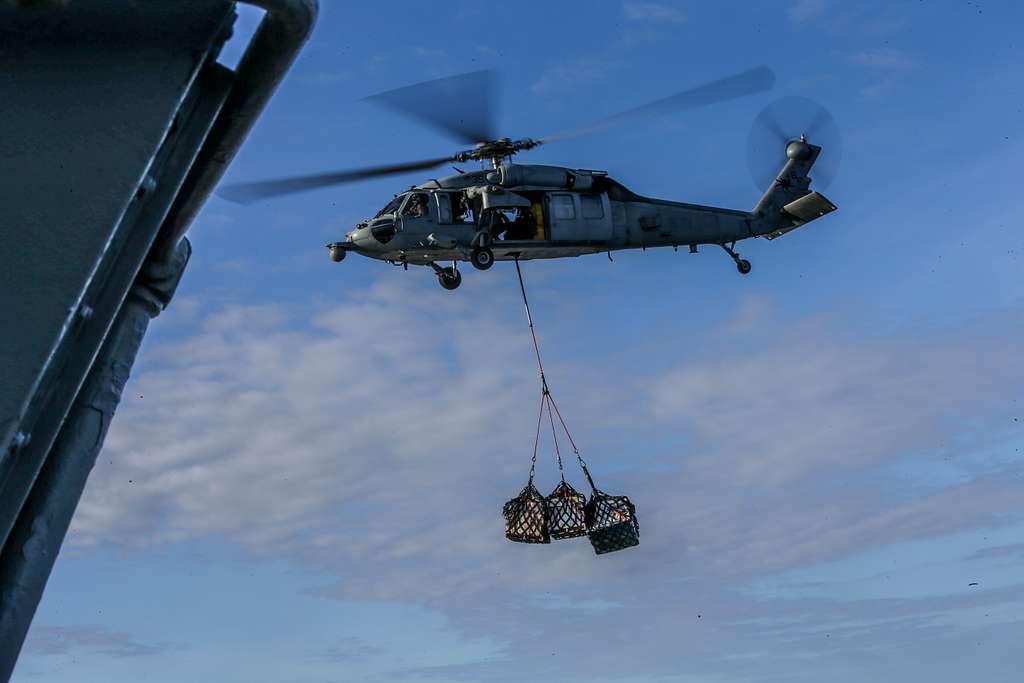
(590, 206)
(562, 208)
(444, 207)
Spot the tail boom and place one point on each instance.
(789, 203)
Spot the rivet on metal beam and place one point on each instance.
(19, 440)
(148, 183)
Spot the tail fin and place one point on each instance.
(789, 202)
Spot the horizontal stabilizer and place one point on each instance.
(802, 211)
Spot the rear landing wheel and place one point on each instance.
(449, 278)
(482, 259)
(743, 265)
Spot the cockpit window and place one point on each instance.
(416, 206)
(392, 206)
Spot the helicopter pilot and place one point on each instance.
(417, 205)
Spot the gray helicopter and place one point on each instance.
(508, 211)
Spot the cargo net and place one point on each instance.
(566, 512)
(609, 521)
(526, 517)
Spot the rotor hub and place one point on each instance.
(798, 149)
(496, 150)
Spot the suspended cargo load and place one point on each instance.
(609, 521)
(526, 517)
(565, 512)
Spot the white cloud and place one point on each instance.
(653, 11)
(802, 11)
(884, 58)
(810, 398)
(429, 52)
(567, 76)
(59, 640)
(886, 64)
(878, 90)
(387, 428)
(324, 77)
(374, 441)
(383, 434)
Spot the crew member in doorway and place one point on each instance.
(522, 226)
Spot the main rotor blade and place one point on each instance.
(460, 106)
(742, 84)
(246, 193)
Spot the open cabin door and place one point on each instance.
(579, 217)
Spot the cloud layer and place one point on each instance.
(51, 640)
(373, 443)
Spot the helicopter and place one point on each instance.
(510, 211)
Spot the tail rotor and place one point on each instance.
(783, 122)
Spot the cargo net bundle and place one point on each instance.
(609, 521)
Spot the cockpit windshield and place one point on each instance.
(392, 206)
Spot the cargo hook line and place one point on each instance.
(547, 402)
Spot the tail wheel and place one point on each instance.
(743, 265)
(449, 278)
(482, 259)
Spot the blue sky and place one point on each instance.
(305, 477)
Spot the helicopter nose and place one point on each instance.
(358, 235)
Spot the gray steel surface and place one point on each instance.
(78, 144)
(118, 123)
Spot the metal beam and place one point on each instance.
(46, 515)
(106, 187)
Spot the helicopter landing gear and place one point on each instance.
(742, 264)
(481, 258)
(449, 278)
(482, 239)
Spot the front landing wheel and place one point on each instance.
(482, 259)
(449, 278)
(743, 265)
